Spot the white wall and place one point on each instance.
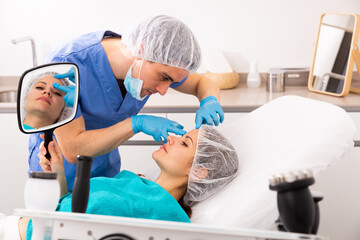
(274, 33)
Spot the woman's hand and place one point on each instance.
(55, 164)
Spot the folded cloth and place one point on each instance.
(127, 195)
(9, 229)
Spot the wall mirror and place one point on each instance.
(336, 50)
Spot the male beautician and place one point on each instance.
(117, 76)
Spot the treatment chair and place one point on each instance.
(285, 134)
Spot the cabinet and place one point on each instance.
(340, 208)
(14, 163)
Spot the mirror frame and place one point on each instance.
(352, 56)
(18, 103)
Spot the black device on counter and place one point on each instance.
(298, 208)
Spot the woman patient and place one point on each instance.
(43, 104)
(193, 167)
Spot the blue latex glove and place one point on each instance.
(210, 112)
(70, 75)
(157, 127)
(70, 93)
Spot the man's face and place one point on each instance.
(157, 77)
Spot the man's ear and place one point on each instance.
(198, 173)
(141, 50)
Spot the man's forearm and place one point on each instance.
(93, 142)
(207, 87)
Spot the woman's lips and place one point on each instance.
(148, 92)
(163, 147)
(44, 99)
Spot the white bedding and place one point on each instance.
(287, 133)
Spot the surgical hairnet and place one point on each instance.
(164, 39)
(215, 154)
(67, 111)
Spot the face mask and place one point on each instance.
(134, 85)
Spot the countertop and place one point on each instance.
(239, 99)
(244, 99)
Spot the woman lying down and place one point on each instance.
(193, 167)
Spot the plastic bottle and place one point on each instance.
(253, 78)
(42, 192)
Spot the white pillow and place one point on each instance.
(285, 134)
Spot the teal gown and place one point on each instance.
(126, 195)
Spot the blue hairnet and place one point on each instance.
(166, 40)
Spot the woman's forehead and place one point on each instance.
(49, 80)
(193, 134)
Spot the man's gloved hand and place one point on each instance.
(157, 127)
(70, 75)
(69, 90)
(210, 112)
(70, 93)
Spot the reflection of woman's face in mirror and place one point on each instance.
(44, 103)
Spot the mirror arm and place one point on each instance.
(356, 55)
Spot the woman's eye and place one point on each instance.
(58, 94)
(39, 88)
(184, 143)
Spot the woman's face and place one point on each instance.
(44, 100)
(177, 155)
(157, 77)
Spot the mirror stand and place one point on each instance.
(356, 55)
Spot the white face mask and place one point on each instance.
(134, 85)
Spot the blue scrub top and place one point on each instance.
(100, 100)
